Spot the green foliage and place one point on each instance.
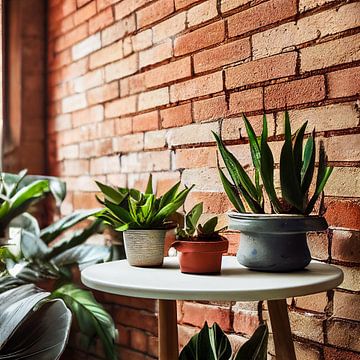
(91, 316)
(193, 231)
(297, 167)
(131, 209)
(32, 326)
(212, 344)
(19, 191)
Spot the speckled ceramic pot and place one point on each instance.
(145, 248)
(272, 242)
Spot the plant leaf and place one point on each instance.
(210, 225)
(169, 195)
(91, 316)
(192, 218)
(307, 170)
(113, 195)
(232, 193)
(149, 186)
(298, 148)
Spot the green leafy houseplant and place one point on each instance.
(143, 217)
(275, 242)
(200, 246)
(212, 344)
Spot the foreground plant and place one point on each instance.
(212, 344)
(297, 167)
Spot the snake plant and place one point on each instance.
(297, 168)
(131, 209)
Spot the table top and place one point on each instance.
(235, 283)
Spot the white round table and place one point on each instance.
(235, 283)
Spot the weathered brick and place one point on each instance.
(105, 165)
(346, 305)
(345, 246)
(121, 68)
(133, 84)
(331, 353)
(88, 115)
(153, 98)
(227, 5)
(345, 181)
(202, 12)
(247, 100)
(204, 85)
(351, 278)
(120, 107)
(74, 102)
(295, 92)
(176, 116)
(106, 55)
(103, 93)
(307, 326)
(315, 302)
(213, 202)
(155, 54)
(274, 67)
(85, 13)
(101, 20)
(335, 208)
(169, 27)
(179, 4)
(86, 47)
(123, 126)
(118, 30)
(154, 12)
(155, 139)
(210, 109)
(261, 15)
(344, 334)
(88, 81)
(168, 73)
(305, 5)
(318, 245)
(76, 167)
(343, 83)
(348, 144)
(142, 40)
(201, 38)
(145, 162)
(127, 7)
(196, 157)
(222, 55)
(128, 143)
(146, 121)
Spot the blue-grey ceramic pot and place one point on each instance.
(272, 242)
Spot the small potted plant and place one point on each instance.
(143, 218)
(276, 241)
(200, 246)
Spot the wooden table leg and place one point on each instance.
(168, 335)
(284, 346)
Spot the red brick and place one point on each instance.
(245, 101)
(176, 116)
(246, 321)
(106, 55)
(136, 83)
(88, 81)
(167, 73)
(201, 38)
(335, 210)
(120, 107)
(339, 354)
(179, 4)
(202, 13)
(204, 85)
(213, 202)
(155, 54)
(71, 38)
(128, 143)
(153, 98)
(121, 68)
(343, 83)
(103, 93)
(102, 4)
(169, 27)
(346, 305)
(274, 67)
(346, 245)
(85, 200)
(87, 116)
(261, 15)
(81, 3)
(295, 92)
(123, 126)
(142, 40)
(222, 55)
(130, 354)
(85, 13)
(75, 69)
(105, 165)
(154, 12)
(126, 7)
(196, 314)
(118, 30)
(101, 20)
(196, 157)
(76, 167)
(210, 109)
(138, 340)
(146, 122)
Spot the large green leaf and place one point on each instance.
(256, 347)
(209, 344)
(91, 316)
(9, 282)
(307, 170)
(192, 218)
(32, 247)
(169, 195)
(236, 171)
(298, 148)
(232, 193)
(51, 232)
(290, 186)
(116, 196)
(30, 326)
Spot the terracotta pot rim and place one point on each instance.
(220, 246)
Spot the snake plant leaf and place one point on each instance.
(192, 218)
(231, 192)
(236, 171)
(267, 168)
(209, 226)
(91, 316)
(83, 255)
(307, 170)
(111, 194)
(256, 347)
(75, 238)
(323, 175)
(298, 149)
(149, 204)
(149, 186)
(290, 186)
(254, 145)
(31, 327)
(209, 344)
(122, 214)
(169, 195)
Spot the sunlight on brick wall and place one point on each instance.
(136, 86)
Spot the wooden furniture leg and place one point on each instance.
(168, 335)
(284, 346)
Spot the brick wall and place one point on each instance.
(136, 86)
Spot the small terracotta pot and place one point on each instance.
(201, 257)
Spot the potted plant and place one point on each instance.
(144, 219)
(275, 241)
(200, 246)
